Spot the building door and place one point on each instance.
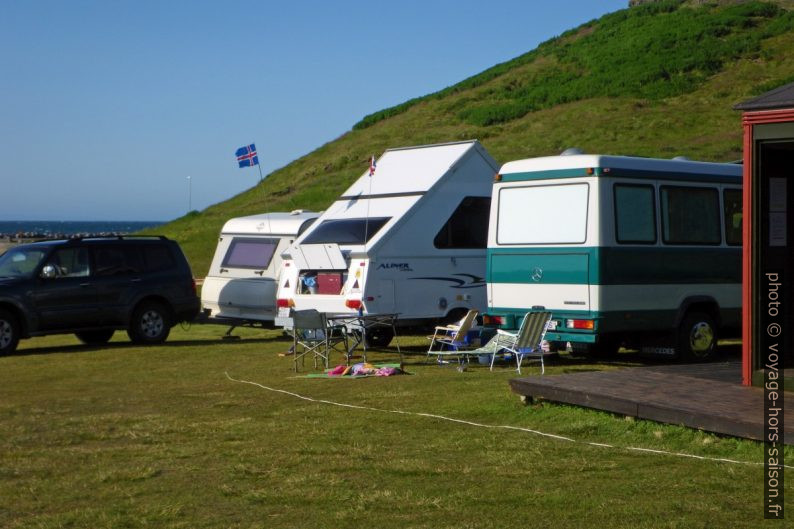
(773, 251)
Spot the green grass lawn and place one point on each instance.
(124, 436)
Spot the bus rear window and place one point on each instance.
(249, 252)
(554, 214)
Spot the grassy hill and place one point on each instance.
(660, 79)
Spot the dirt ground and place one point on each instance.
(5, 245)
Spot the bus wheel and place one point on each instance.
(697, 338)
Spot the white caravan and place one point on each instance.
(410, 239)
(241, 284)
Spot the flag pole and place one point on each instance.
(369, 197)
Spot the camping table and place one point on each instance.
(362, 322)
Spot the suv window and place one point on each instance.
(158, 257)
(70, 262)
(20, 262)
(117, 260)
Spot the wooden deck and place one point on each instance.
(704, 396)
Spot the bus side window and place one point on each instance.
(690, 215)
(635, 214)
(732, 199)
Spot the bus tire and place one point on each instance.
(697, 338)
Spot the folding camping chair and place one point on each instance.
(312, 335)
(452, 339)
(528, 341)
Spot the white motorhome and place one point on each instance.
(622, 250)
(241, 284)
(410, 239)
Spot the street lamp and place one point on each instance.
(189, 196)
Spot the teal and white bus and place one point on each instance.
(623, 250)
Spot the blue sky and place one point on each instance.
(106, 107)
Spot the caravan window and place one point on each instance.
(346, 231)
(250, 252)
(554, 214)
(690, 215)
(305, 226)
(468, 225)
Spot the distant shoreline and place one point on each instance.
(57, 229)
(13, 232)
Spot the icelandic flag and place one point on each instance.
(372, 166)
(246, 156)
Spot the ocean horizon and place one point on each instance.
(50, 228)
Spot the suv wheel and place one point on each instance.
(9, 332)
(95, 337)
(150, 323)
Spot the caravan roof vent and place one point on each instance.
(571, 151)
(297, 211)
(682, 159)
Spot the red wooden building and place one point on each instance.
(768, 263)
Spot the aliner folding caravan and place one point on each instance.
(621, 250)
(241, 284)
(410, 239)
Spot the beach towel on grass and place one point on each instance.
(360, 370)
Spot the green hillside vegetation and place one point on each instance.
(657, 80)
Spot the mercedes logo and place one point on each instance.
(537, 274)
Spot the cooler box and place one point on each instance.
(329, 283)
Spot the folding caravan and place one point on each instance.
(408, 237)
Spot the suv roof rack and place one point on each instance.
(78, 238)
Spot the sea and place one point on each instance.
(66, 228)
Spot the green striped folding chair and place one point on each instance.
(527, 342)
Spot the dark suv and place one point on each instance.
(92, 287)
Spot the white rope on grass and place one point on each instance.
(498, 426)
